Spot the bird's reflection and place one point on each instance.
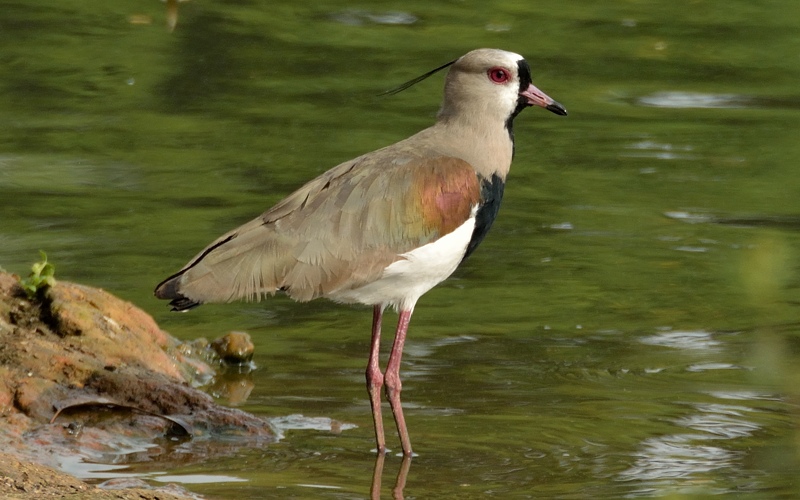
(400, 482)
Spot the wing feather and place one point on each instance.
(339, 231)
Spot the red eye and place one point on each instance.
(498, 75)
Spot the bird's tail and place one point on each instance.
(170, 289)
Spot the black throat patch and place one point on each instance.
(525, 79)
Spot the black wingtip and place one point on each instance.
(168, 289)
(183, 304)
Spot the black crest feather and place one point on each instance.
(416, 80)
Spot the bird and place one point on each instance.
(384, 228)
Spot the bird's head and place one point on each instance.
(493, 83)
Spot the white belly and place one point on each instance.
(404, 281)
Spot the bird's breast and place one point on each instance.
(491, 196)
(416, 271)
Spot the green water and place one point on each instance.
(630, 325)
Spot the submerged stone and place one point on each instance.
(234, 348)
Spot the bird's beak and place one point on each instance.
(536, 97)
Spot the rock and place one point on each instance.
(118, 332)
(82, 367)
(234, 348)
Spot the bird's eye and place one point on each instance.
(498, 75)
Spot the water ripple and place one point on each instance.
(720, 426)
(660, 461)
(676, 457)
(301, 422)
(692, 340)
(693, 100)
(704, 367)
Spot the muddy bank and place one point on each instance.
(84, 374)
(27, 480)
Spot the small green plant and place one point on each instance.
(42, 276)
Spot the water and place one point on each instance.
(629, 327)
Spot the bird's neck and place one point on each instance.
(487, 145)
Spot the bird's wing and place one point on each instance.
(339, 231)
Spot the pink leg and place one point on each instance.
(393, 385)
(375, 378)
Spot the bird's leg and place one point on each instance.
(375, 378)
(393, 385)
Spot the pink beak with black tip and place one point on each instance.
(536, 97)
